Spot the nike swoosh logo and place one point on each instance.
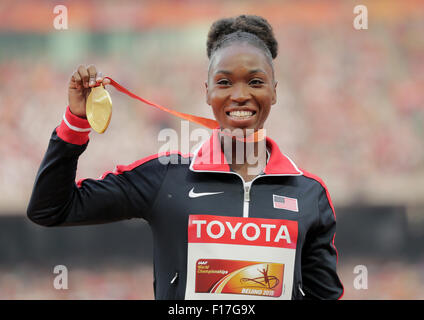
(193, 194)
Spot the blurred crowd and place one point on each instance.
(350, 102)
(128, 283)
(384, 281)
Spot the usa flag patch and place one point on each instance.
(286, 203)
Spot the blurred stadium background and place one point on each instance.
(350, 109)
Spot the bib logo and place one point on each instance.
(239, 277)
(264, 281)
(261, 232)
(240, 258)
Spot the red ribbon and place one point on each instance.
(208, 123)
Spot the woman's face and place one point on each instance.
(240, 87)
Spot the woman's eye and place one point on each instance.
(223, 82)
(256, 82)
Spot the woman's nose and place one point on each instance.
(240, 93)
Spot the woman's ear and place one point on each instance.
(207, 93)
(274, 93)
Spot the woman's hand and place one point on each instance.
(82, 80)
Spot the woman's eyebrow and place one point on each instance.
(250, 72)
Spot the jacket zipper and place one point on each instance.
(246, 188)
(246, 200)
(246, 191)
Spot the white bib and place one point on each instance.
(240, 258)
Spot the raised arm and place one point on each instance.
(127, 192)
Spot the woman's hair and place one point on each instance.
(251, 29)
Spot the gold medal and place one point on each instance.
(99, 109)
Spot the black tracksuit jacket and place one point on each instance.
(177, 193)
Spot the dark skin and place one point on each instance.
(80, 84)
(241, 79)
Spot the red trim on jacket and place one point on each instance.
(210, 157)
(74, 130)
(312, 176)
(119, 169)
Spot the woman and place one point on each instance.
(223, 226)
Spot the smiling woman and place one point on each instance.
(241, 84)
(241, 88)
(220, 230)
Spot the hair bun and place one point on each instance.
(244, 23)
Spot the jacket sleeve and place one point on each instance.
(57, 200)
(319, 255)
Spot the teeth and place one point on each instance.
(241, 114)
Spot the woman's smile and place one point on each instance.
(241, 116)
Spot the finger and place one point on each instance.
(99, 77)
(92, 73)
(105, 81)
(76, 80)
(82, 70)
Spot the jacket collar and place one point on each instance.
(209, 157)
